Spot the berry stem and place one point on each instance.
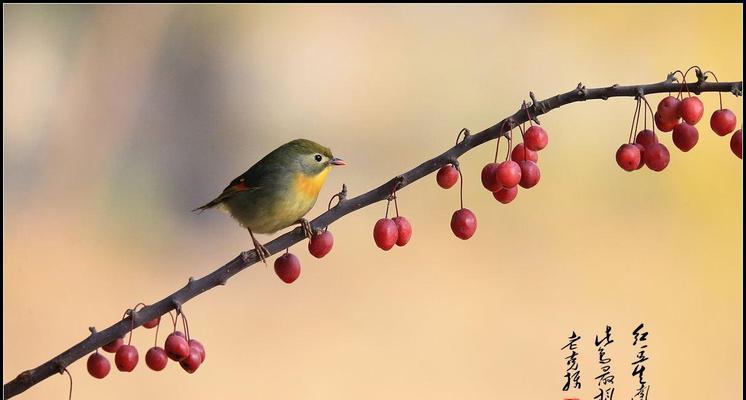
(70, 394)
(649, 108)
(461, 184)
(463, 131)
(523, 139)
(720, 95)
(634, 118)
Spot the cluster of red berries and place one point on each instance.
(188, 352)
(680, 116)
(521, 169)
(388, 232)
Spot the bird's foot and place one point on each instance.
(261, 252)
(306, 226)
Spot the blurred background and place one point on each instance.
(118, 120)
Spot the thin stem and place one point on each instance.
(461, 182)
(650, 108)
(634, 118)
(720, 95)
(70, 395)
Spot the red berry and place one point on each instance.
(156, 358)
(723, 121)
(521, 152)
(176, 346)
(489, 177)
(642, 155)
(646, 137)
(404, 231)
(536, 138)
(463, 223)
(530, 174)
(657, 156)
(665, 125)
(505, 196)
(509, 173)
(668, 109)
(691, 109)
(447, 176)
(192, 362)
(194, 344)
(287, 267)
(628, 157)
(98, 366)
(685, 136)
(385, 233)
(113, 346)
(126, 358)
(152, 323)
(736, 143)
(321, 244)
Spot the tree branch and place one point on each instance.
(220, 276)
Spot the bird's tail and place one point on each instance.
(211, 204)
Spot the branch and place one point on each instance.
(245, 259)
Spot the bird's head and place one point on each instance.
(311, 158)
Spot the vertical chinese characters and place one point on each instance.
(572, 374)
(640, 336)
(606, 378)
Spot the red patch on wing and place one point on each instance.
(240, 187)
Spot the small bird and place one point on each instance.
(277, 191)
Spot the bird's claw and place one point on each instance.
(306, 227)
(261, 252)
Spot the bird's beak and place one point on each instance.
(337, 161)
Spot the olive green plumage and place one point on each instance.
(278, 190)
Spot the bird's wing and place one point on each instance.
(236, 186)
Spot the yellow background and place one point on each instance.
(119, 120)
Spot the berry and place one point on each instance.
(195, 345)
(508, 173)
(489, 177)
(657, 157)
(642, 155)
(98, 366)
(691, 109)
(646, 137)
(529, 174)
(628, 157)
(152, 323)
(404, 231)
(668, 109)
(685, 136)
(156, 358)
(664, 125)
(176, 346)
(723, 121)
(535, 138)
(521, 152)
(287, 267)
(192, 362)
(321, 244)
(126, 358)
(447, 176)
(463, 223)
(736, 143)
(385, 233)
(113, 346)
(505, 196)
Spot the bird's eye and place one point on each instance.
(318, 157)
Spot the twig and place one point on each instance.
(220, 276)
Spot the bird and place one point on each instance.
(277, 191)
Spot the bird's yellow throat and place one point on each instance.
(310, 185)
